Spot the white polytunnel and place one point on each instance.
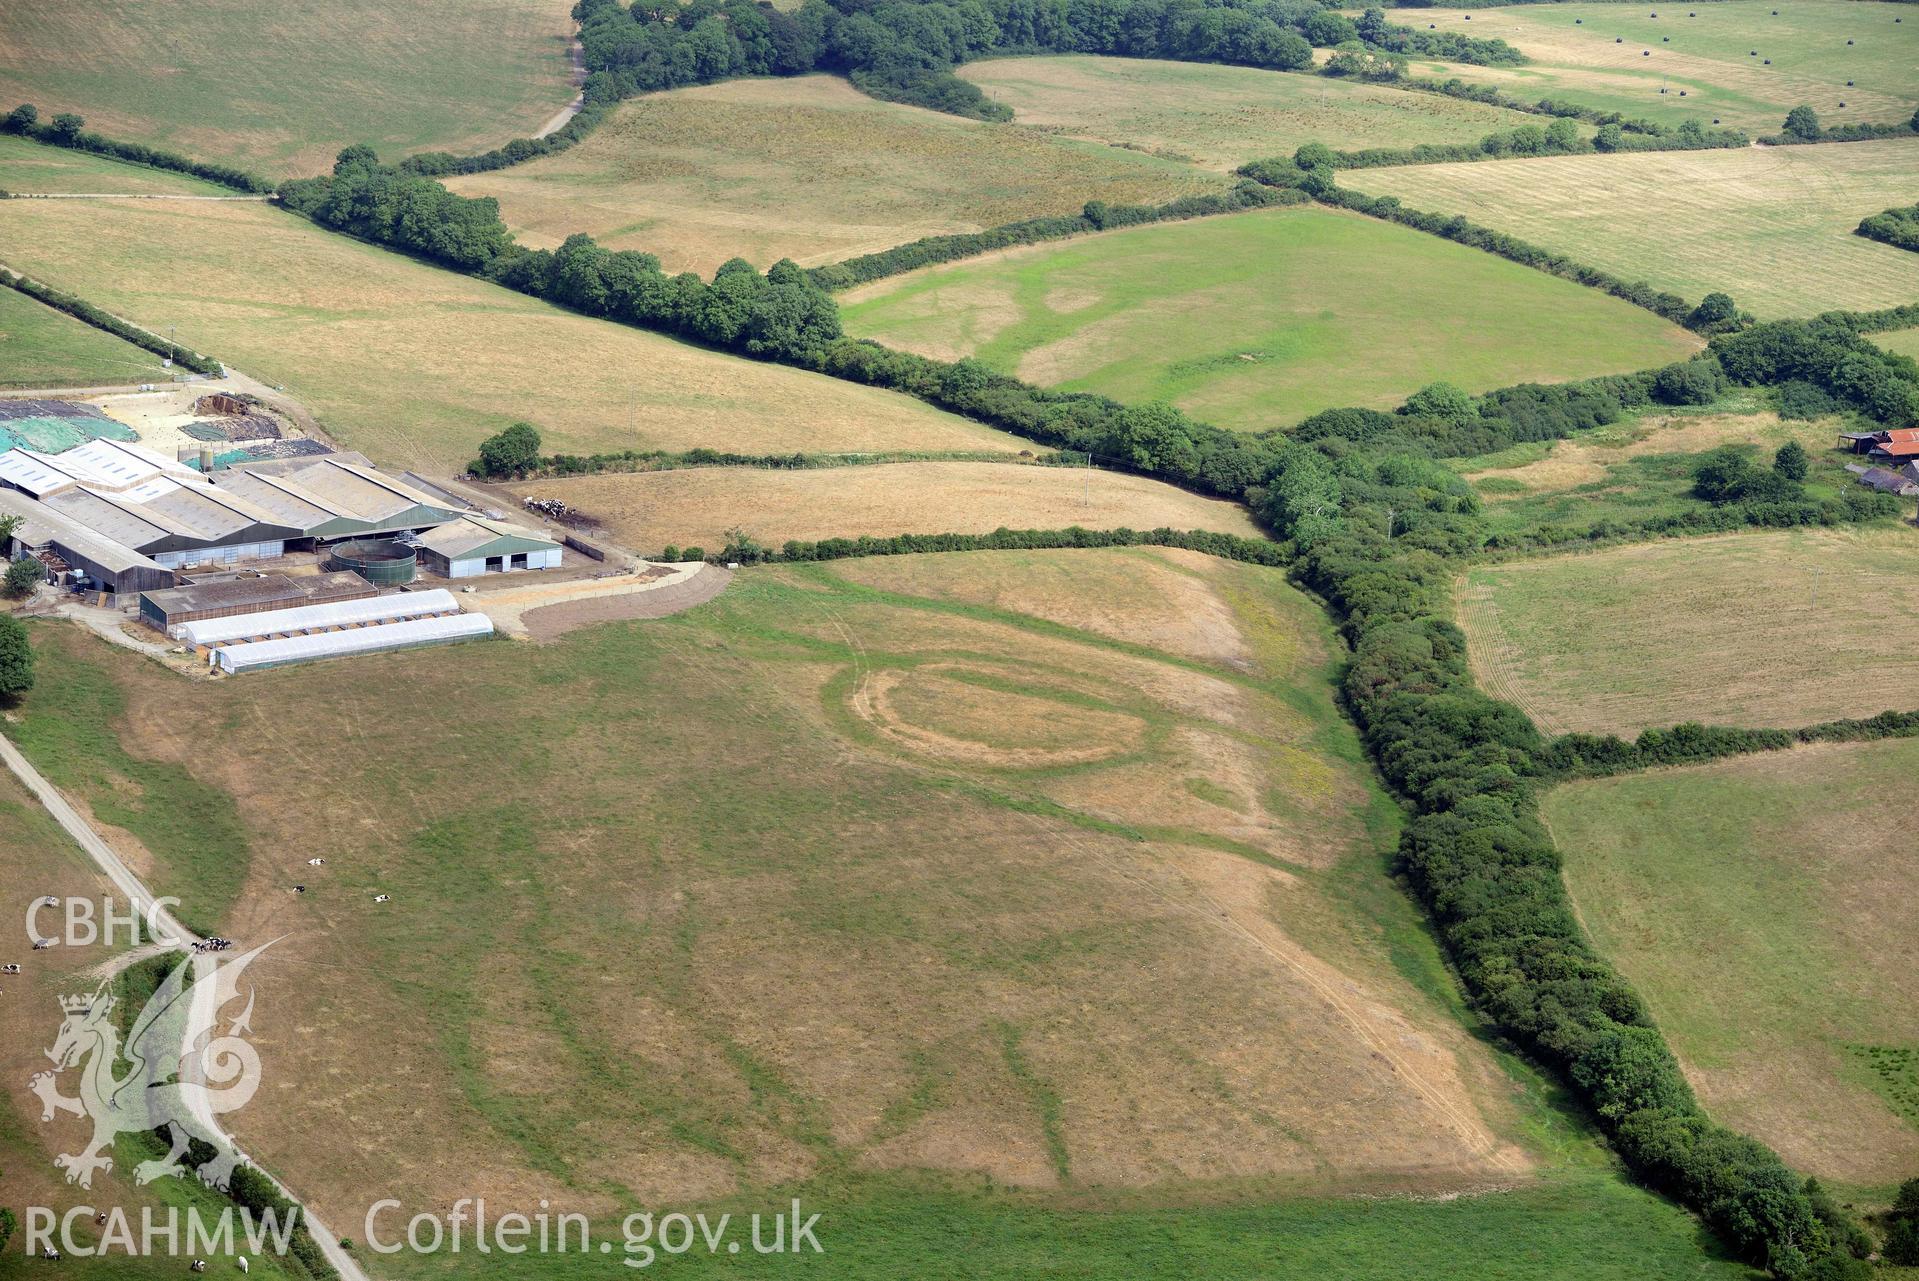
(256, 655)
(307, 618)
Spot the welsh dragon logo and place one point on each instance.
(182, 1071)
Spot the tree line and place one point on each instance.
(906, 50)
(1898, 227)
(780, 315)
(70, 131)
(1560, 138)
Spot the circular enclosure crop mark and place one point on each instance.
(967, 714)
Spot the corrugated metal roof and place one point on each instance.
(45, 525)
(304, 618)
(471, 537)
(259, 589)
(253, 655)
(343, 489)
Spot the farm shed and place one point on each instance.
(474, 545)
(1888, 482)
(258, 655)
(107, 565)
(336, 616)
(334, 496)
(255, 593)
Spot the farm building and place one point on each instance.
(1889, 482)
(124, 516)
(1895, 445)
(334, 496)
(413, 633)
(474, 545)
(253, 594)
(66, 546)
(315, 620)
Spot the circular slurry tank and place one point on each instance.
(380, 561)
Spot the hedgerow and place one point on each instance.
(82, 310)
(67, 130)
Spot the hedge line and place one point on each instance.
(1875, 322)
(82, 310)
(1558, 139)
(1316, 180)
(1862, 132)
(1096, 216)
(440, 164)
(1229, 546)
(1486, 869)
(636, 460)
(66, 131)
(1601, 756)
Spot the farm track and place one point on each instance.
(204, 963)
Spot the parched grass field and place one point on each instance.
(1771, 226)
(962, 909)
(697, 506)
(281, 89)
(1220, 116)
(1707, 50)
(41, 347)
(1768, 909)
(42, 860)
(1767, 629)
(807, 168)
(1640, 467)
(416, 365)
(30, 167)
(1257, 320)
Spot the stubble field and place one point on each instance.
(807, 168)
(1257, 320)
(280, 88)
(698, 506)
(1220, 116)
(1757, 630)
(415, 365)
(1765, 907)
(1773, 227)
(1707, 50)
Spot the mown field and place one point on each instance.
(1256, 320)
(41, 347)
(41, 860)
(416, 365)
(282, 89)
(1639, 468)
(1771, 226)
(1706, 50)
(965, 897)
(32, 168)
(1770, 915)
(809, 169)
(1763, 629)
(698, 506)
(1219, 116)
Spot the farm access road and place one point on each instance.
(169, 928)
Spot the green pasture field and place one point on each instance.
(1748, 629)
(1639, 468)
(1903, 341)
(1770, 916)
(416, 365)
(1220, 116)
(1773, 227)
(1256, 320)
(811, 169)
(281, 89)
(1705, 50)
(963, 897)
(41, 347)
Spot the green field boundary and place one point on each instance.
(85, 312)
(68, 131)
